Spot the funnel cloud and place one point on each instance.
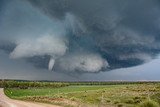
(78, 37)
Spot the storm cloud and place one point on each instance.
(80, 36)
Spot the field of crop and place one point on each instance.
(122, 95)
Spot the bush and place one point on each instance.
(116, 101)
(120, 105)
(73, 99)
(149, 103)
(108, 100)
(137, 100)
(129, 101)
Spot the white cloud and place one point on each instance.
(45, 45)
(88, 62)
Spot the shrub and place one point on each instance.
(137, 100)
(129, 101)
(137, 97)
(108, 100)
(149, 103)
(120, 105)
(116, 101)
(73, 99)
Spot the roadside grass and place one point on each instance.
(105, 95)
(149, 103)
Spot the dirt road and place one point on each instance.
(7, 102)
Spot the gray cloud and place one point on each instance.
(89, 62)
(82, 36)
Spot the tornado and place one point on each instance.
(51, 64)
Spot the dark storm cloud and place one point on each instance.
(81, 35)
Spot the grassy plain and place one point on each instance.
(126, 95)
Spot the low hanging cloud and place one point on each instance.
(45, 45)
(81, 36)
(82, 62)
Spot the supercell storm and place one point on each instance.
(80, 35)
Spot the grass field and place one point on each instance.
(91, 95)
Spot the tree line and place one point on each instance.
(31, 84)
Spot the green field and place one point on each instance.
(129, 95)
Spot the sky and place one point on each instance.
(86, 40)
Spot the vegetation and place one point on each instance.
(30, 84)
(140, 94)
(149, 103)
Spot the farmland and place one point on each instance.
(98, 94)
